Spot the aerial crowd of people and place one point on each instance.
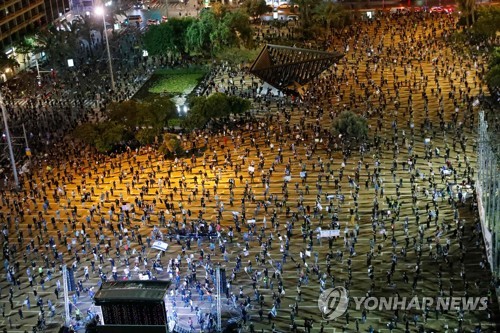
(255, 193)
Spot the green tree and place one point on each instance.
(238, 105)
(110, 135)
(306, 12)
(219, 10)
(168, 37)
(198, 33)
(220, 37)
(493, 78)
(256, 8)
(60, 44)
(467, 8)
(218, 105)
(25, 46)
(158, 39)
(153, 112)
(126, 112)
(196, 117)
(331, 16)
(352, 127)
(146, 136)
(239, 25)
(103, 136)
(156, 112)
(494, 57)
(44, 41)
(487, 24)
(216, 30)
(86, 132)
(171, 145)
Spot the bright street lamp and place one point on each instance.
(100, 11)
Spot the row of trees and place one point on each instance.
(216, 106)
(493, 75)
(129, 121)
(144, 122)
(482, 28)
(317, 17)
(482, 24)
(61, 44)
(215, 30)
(322, 17)
(218, 29)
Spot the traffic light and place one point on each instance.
(39, 80)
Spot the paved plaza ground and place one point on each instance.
(395, 220)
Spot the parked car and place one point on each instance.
(437, 9)
(449, 9)
(287, 6)
(137, 19)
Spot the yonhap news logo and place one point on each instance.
(333, 302)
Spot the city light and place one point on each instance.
(99, 11)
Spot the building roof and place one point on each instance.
(131, 291)
(291, 68)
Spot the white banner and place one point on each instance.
(159, 245)
(329, 233)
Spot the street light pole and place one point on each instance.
(107, 49)
(9, 143)
(67, 315)
(28, 151)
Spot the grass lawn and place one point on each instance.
(176, 83)
(177, 80)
